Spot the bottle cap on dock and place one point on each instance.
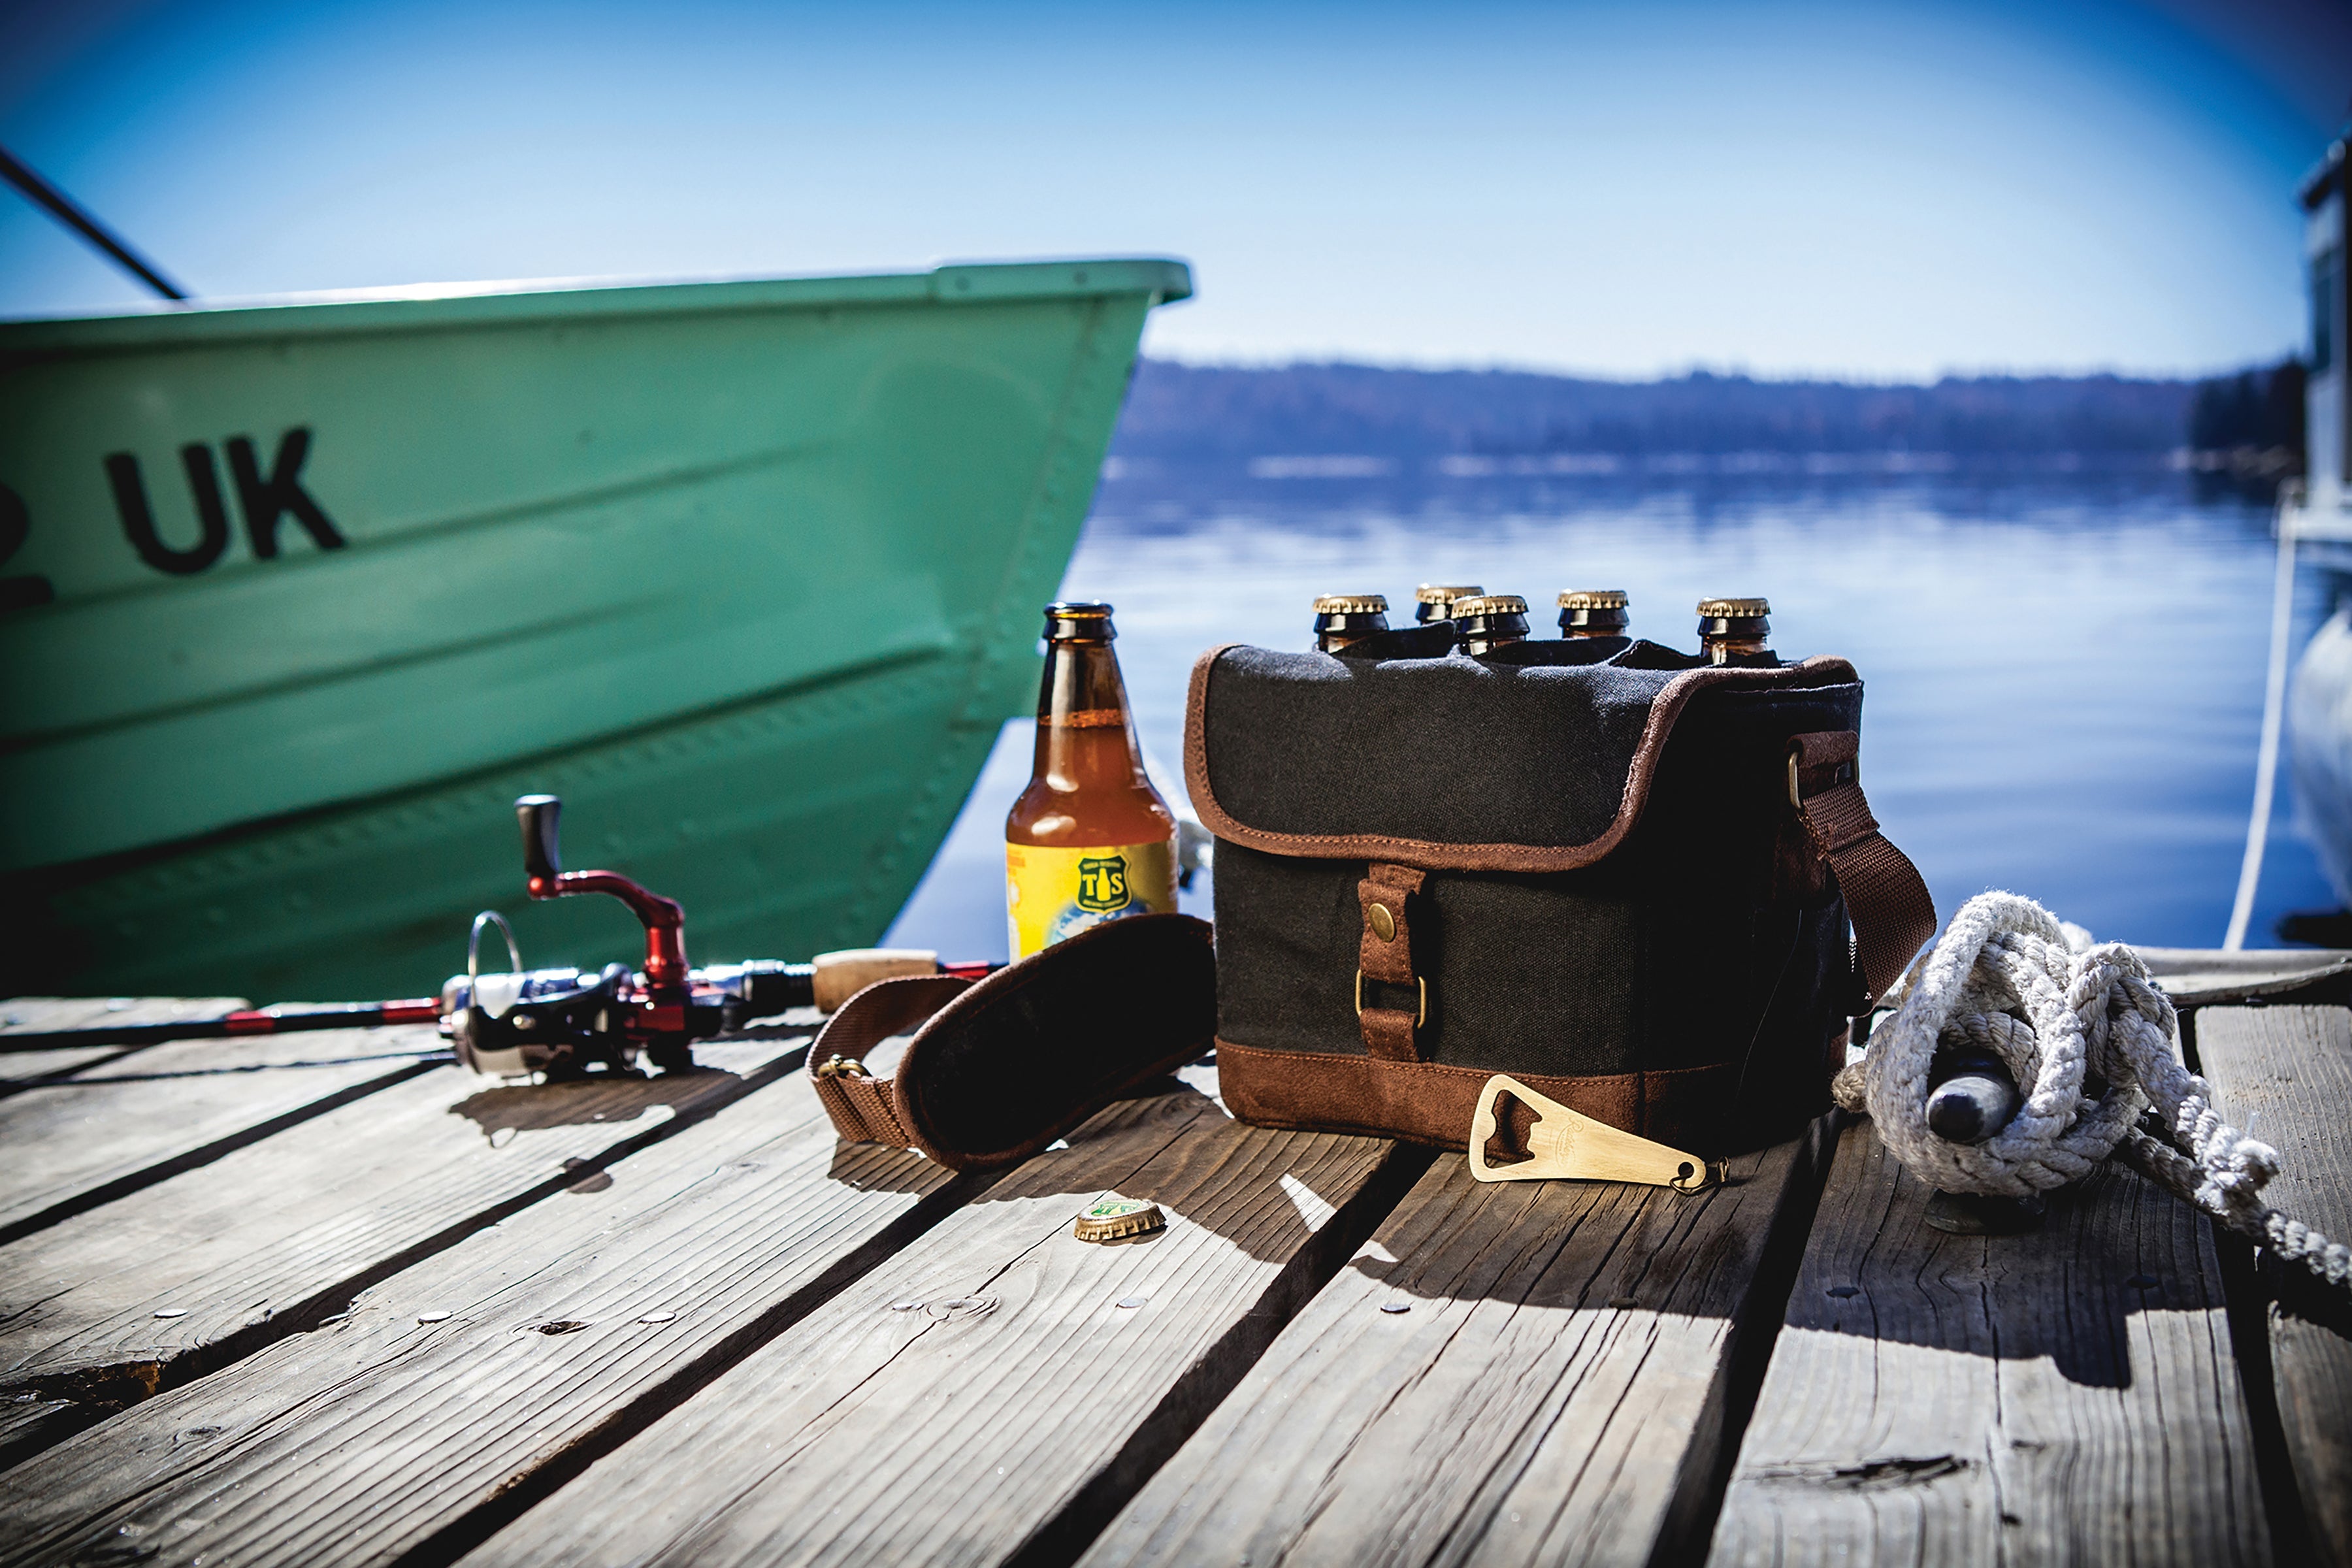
(1595, 599)
(1489, 605)
(1444, 592)
(1083, 618)
(1734, 609)
(1114, 1218)
(1352, 605)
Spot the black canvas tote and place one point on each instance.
(1621, 876)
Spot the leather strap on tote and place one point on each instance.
(1886, 897)
(861, 1104)
(996, 1069)
(1385, 954)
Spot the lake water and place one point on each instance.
(2064, 670)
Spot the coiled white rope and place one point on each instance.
(2059, 1011)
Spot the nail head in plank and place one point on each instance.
(252, 1243)
(2288, 1071)
(882, 1436)
(1943, 1399)
(362, 1441)
(1556, 1394)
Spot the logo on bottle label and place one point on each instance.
(1051, 894)
(1102, 883)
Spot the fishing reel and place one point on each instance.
(565, 1023)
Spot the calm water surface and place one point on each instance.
(2063, 672)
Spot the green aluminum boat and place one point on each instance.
(296, 598)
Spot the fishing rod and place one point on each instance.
(67, 211)
(565, 1022)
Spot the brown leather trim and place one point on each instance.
(1430, 1102)
(1672, 697)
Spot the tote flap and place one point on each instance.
(1450, 762)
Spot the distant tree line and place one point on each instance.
(2254, 410)
(1191, 411)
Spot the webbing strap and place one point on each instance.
(1886, 897)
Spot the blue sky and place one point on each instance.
(1890, 190)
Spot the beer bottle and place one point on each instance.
(1485, 622)
(1434, 601)
(1735, 631)
(1344, 618)
(1594, 613)
(1089, 840)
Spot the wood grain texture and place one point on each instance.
(1514, 1412)
(363, 1440)
(2068, 1395)
(271, 1238)
(2285, 1074)
(105, 1128)
(985, 1393)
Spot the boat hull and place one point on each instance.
(2319, 741)
(747, 572)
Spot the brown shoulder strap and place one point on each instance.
(1886, 899)
(863, 1107)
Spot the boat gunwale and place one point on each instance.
(528, 303)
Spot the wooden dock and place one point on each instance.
(324, 1298)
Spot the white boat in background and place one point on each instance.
(2311, 713)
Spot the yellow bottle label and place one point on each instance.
(1052, 893)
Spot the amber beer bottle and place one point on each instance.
(1736, 631)
(1089, 840)
(1488, 621)
(1594, 613)
(1342, 619)
(1433, 601)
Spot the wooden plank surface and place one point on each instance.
(1518, 1373)
(197, 1271)
(999, 1386)
(2068, 1395)
(39, 1015)
(2285, 1075)
(102, 1129)
(384, 1432)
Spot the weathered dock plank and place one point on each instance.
(192, 1273)
(2068, 1395)
(102, 1129)
(39, 1015)
(999, 1387)
(2286, 1074)
(1522, 1373)
(456, 1386)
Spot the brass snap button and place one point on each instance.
(1384, 922)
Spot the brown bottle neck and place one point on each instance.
(1085, 738)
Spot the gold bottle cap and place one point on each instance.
(1734, 609)
(1595, 599)
(1490, 604)
(1114, 1218)
(1444, 592)
(1352, 605)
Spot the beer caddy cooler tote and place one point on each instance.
(1614, 873)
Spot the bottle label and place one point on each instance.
(1054, 893)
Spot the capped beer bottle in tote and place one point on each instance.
(1594, 613)
(1736, 631)
(1089, 840)
(1342, 620)
(1432, 601)
(1485, 621)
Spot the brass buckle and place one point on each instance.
(1421, 981)
(1853, 771)
(1569, 1144)
(837, 1066)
